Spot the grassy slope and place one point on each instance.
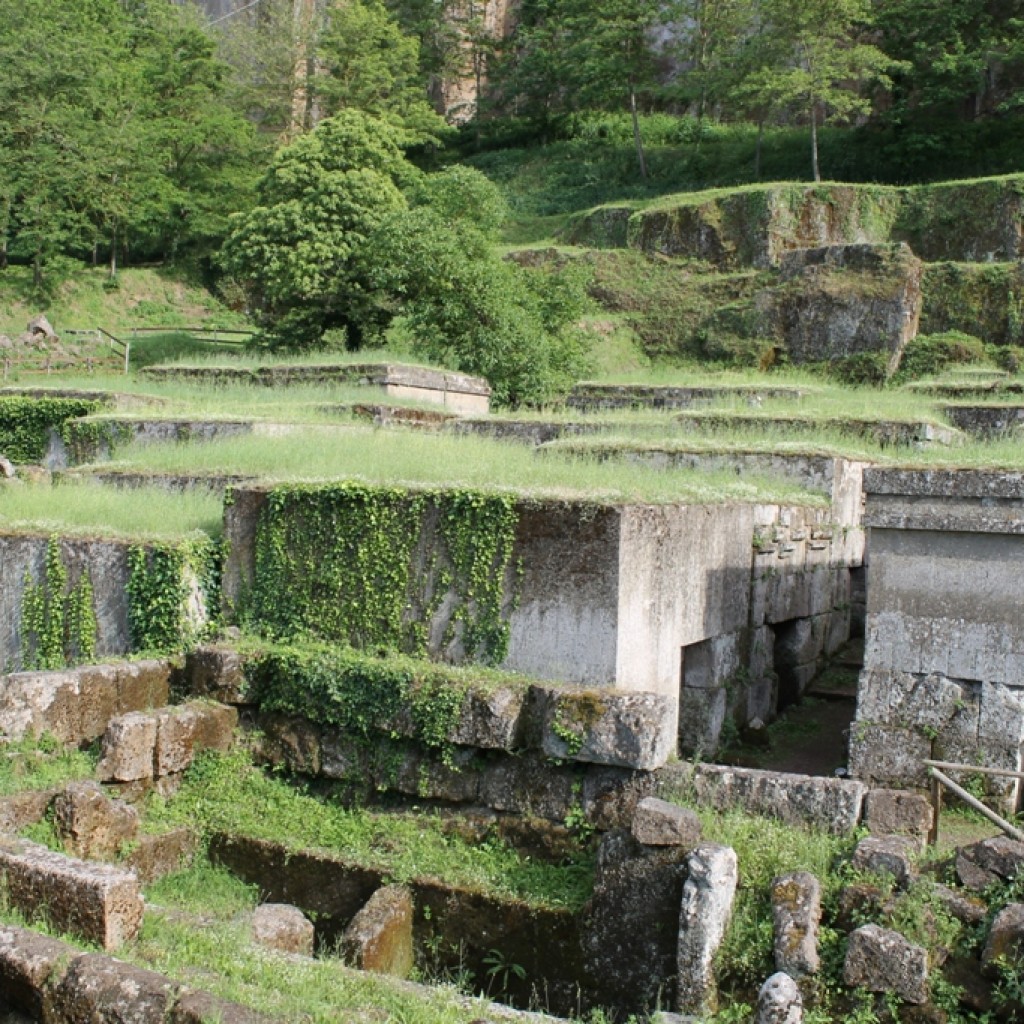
(144, 297)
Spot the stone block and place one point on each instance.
(19, 810)
(779, 1001)
(100, 989)
(201, 1008)
(491, 720)
(966, 909)
(216, 672)
(154, 856)
(659, 823)
(290, 742)
(892, 855)
(796, 914)
(891, 812)
(528, 784)
(379, 937)
(185, 730)
(27, 962)
(129, 748)
(881, 960)
(420, 773)
(613, 727)
(142, 685)
(829, 803)
(704, 915)
(610, 795)
(701, 719)
(284, 928)
(628, 929)
(1000, 855)
(1005, 941)
(98, 902)
(884, 755)
(90, 823)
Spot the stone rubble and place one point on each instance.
(796, 914)
(881, 960)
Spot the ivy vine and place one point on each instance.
(162, 579)
(58, 624)
(25, 423)
(373, 566)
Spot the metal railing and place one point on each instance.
(939, 778)
(216, 335)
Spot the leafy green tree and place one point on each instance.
(812, 59)
(461, 194)
(469, 309)
(369, 64)
(301, 252)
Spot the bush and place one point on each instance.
(930, 354)
(862, 368)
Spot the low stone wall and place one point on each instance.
(96, 438)
(457, 392)
(75, 705)
(944, 657)
(590, 397)
(106, 562)
(884, 432)
(986, 421)
(48, 979)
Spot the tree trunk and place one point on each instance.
(814, 141)
(37, 270)
(113, 255)
(636, 135)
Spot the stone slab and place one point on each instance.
(98, 902)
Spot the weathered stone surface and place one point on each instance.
(379, 937)
(659, 823)
(201, 1008)
(185, 730)
(796, 914)
(704, 915)
(779, 1001)
(611, 795)
(831, 804)
(90, 823)
(1000, 855)
(837, 300)
(284, 928)
(528, 785)
(966, 909)
(99, 902)
(892, 855)
(157, 855)
(630, 925)
(1006, 936)
(21, 809)
(971, 875)
(881, 960)
(491, 720)
(888, 755)
(891, 812)
(293, 743)
(27, 961)
(129, 747)
(217, 672)
(858, 901)
(100, 989)
(628, 730)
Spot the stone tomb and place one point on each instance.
(944, 656)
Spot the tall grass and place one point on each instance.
(84, 507)
(444, 461)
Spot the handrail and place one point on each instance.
(113, 341)
(939, 779)
(206, 333)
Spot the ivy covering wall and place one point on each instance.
(173, 590)
(25, 424)
(58, 620)
(386, 569)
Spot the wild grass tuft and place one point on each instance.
(44, 763)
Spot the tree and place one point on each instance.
(811, 59)
(368, 64)
(468, 308)
(301, 253)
